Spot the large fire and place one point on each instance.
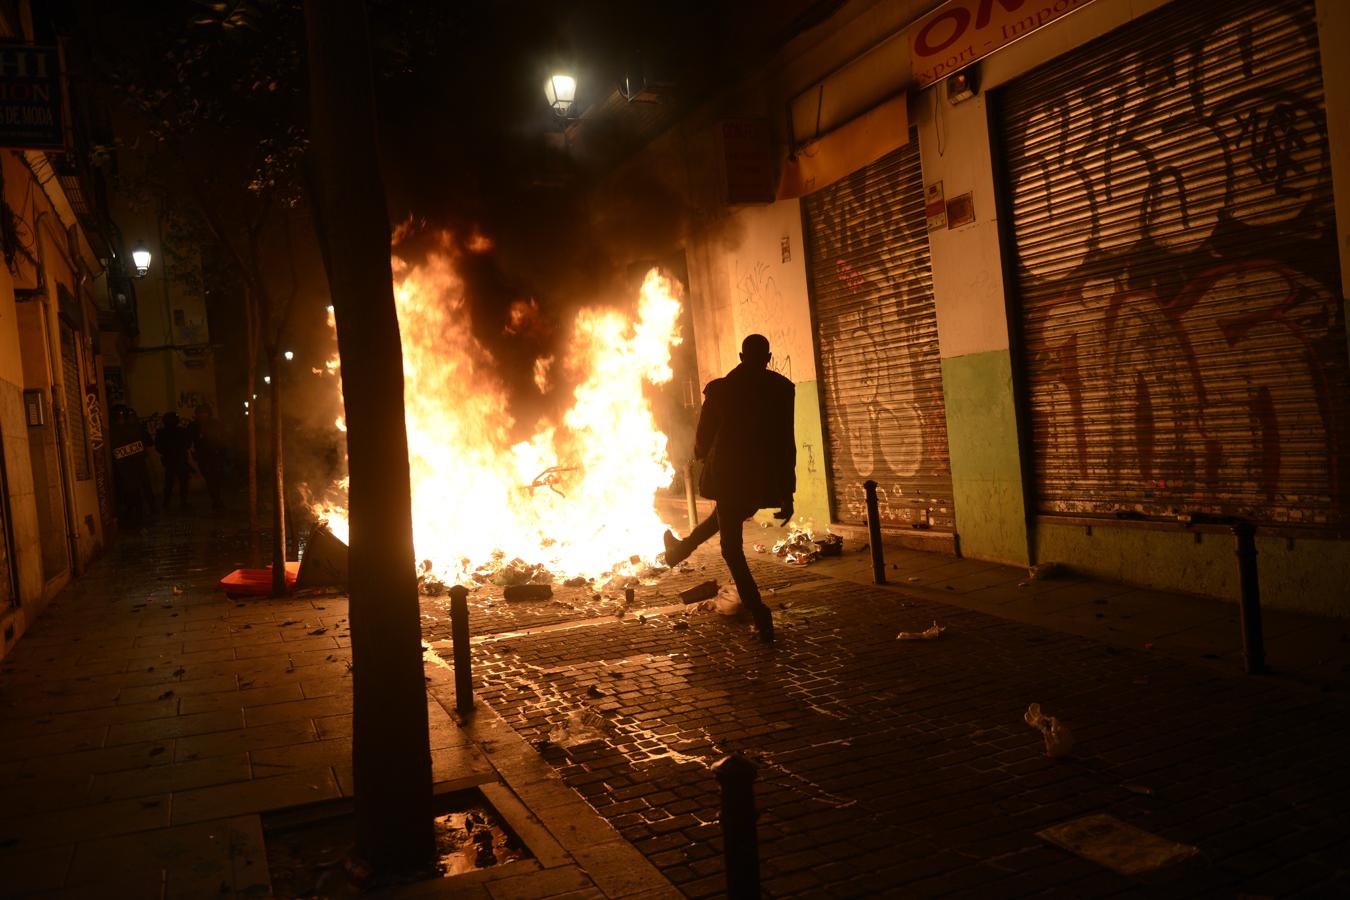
(577, 498)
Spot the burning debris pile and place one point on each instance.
(483, 514)
(801, 547)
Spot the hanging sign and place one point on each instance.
(959, 32)
(30, 98)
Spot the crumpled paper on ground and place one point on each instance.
(726, 603)
(931, 633)
(583, 726)
(1058, 736)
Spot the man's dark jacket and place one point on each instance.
(745, 439)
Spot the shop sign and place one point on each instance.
(30, 98)
(959, 32)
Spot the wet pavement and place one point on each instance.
(147, 722)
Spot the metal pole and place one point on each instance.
(689, 495)
(1253, 643)
(459, 635)
(874, 534)
(740, 841)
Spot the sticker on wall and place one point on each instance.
(785, 248)
(934, 207)
(960, 211)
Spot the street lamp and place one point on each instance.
(561, 91)
(140, 258)
(289, 354)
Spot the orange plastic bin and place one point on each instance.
(256, 582)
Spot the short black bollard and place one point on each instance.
(690, 495)
(1253, 642)
(459, 636)
(874, 533)
(740, 840)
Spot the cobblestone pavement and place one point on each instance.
(905, 767)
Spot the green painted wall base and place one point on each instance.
(1309, 576)
(813, 497)
(986, 465)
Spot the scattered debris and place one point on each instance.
(583, 726)
(594, 692)
(177, 589)
(680, 626)
(519, 572)
(527, 592)
(930, 633)
(830, 545)
(318, 631)
(728, 601)
(1058, 737)
(1142, 790)
(578, 581)
(704, 590)
(166, 695)
(801, 547)
(760, 548)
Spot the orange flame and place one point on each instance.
(577, 497)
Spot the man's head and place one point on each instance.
(755, 351)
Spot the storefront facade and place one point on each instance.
(1088, 310)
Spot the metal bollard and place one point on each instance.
(689, 494)
(459, 636)
(1253, 642)
(740, 840)
(874, 534)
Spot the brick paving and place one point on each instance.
(147, 722)
(905, 767)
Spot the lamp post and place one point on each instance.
(140, 258)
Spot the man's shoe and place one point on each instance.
(675, 552)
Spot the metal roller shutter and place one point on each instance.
(74, 394)
(872, 288)
(1172, 214)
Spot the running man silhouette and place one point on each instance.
(745, 440)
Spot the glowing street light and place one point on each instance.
(140, 258)
(289, 354)
(267, 379)
(561, 91)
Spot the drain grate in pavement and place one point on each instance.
(308, 847)
(1117, 845)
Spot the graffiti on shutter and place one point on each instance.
(1177, 268)
(872, 291)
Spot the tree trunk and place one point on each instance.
(391, 755)
(278, 486)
